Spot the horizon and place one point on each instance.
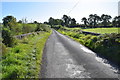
(42, 11)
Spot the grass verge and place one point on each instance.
(24, 59)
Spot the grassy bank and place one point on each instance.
(24, 59)
(106, 45)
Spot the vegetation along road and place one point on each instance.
(65, 58)
(34, 50)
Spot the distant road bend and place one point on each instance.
(65, 58)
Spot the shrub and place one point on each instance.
(29, 28)
(42, 27)
(23, 60)
(106, 45)
(4, 49)
(8, 40)
(76, 36)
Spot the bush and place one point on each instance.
(4, 49)
(29, 28)
(76, 36)
(23, 60)
(17, 30)
(42, 27)
(8, 40)
(106, 45)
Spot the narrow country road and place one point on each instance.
(65, 58)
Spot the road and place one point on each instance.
(66, 58)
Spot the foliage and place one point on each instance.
(11, 28)
(84, 19)
(109, 45)
(42, 27)
(53, 21)
(4, 49)
(65, 21)
(29, 28)
(105, 19)
(7, 37)
(23, 60)
(106, 45)
(68, 21)
(18, 29)
(9, 22)
(93, 19)
(116, 21)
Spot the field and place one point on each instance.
(72, 28)
(103, 30)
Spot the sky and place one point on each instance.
(42, 10)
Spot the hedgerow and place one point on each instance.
(106, 45)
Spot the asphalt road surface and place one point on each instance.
(66, 58)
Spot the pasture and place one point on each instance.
(103, 30)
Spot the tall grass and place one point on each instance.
(24, 59)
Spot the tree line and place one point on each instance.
(11, 27)
(103, 20)
(65, 21)
(92, 21)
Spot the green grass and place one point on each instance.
(72, 28)
(24, 59)
(103, 30)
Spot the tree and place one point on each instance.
(39, 28)
(116, 21)
(84, 19)
(9, 21)
(20, 21)
(35, 22)
(58, 22)
(93, 19)
(98, 19)
(66, 19)
(51, 21)
(105, 19)
(46, 22)
(90, 20)
(8, 40)
(73, 22)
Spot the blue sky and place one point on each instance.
(42, 10)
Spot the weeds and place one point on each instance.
(24, 59)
